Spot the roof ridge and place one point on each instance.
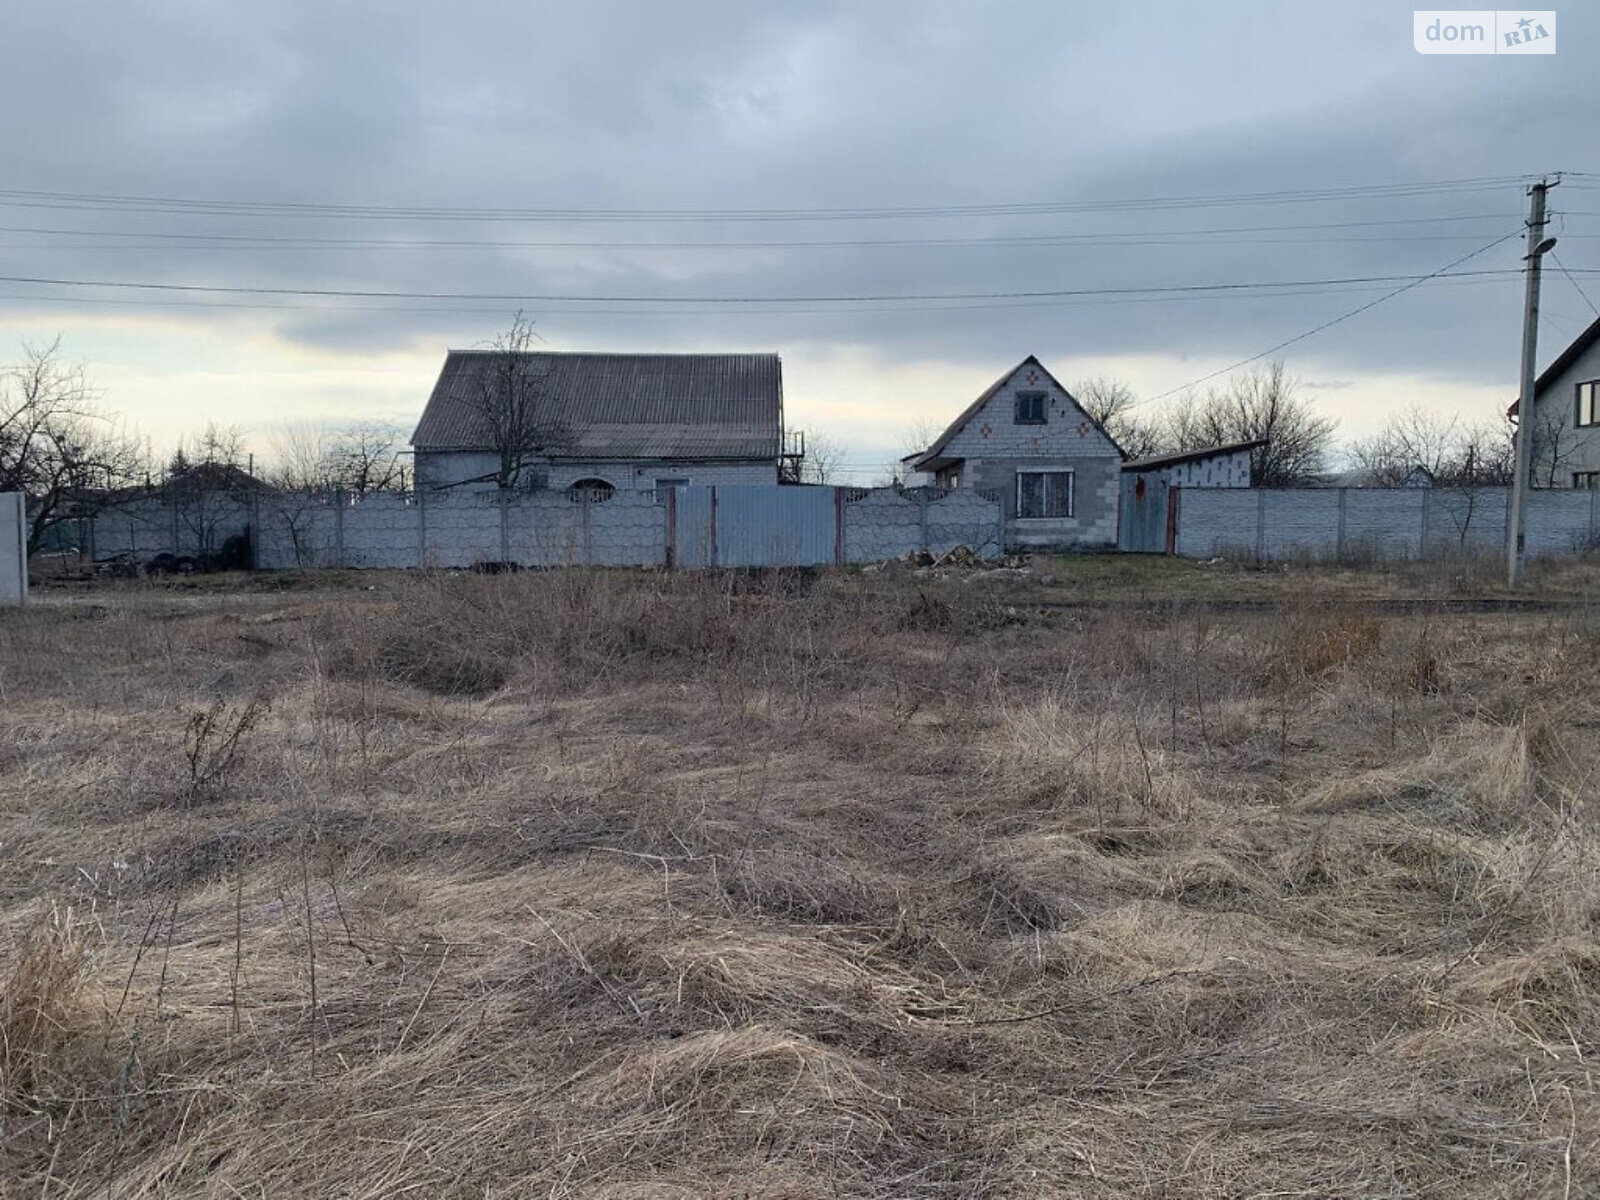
(629, 353)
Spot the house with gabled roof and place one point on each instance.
(1055, 469)
(1566, 416)
(636, 422)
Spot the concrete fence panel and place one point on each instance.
(1221, 521)
(13, 550)
(1379, 523)
(734, 525)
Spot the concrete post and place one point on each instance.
(505, 532)
(339, 499)
(422, 528)
(13, 550)
(1261, 525)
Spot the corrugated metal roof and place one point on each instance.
(623, 405)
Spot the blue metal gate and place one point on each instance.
(1144, 518)
(754, 526)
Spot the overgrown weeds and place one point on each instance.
(607, 884)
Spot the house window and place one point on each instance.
(1586, 479)
(1587, 394)
(1044, 494)
(663, 486)
(1030, 408)
(592, 491)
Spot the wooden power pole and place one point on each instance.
(1516, 548)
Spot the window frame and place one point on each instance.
(1029, 396)
(1578, 396)
(1044, 493)
(1586, 481)
(591, 489)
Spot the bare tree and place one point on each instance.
(1111, 402)
(914, 439)
(56, 446)
(825, 454)
(210, 489)
(1263, 405)
(510, 403)
(1408, 440)
(358, 458)
(1452, 453)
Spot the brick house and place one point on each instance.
(1056, 471)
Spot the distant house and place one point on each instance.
(639, 422)
(1566, 423)
(1052, 465)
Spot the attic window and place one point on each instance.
(1030, 408)
(592, 491)
(1588, 393)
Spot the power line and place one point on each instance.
(258, 240)
(1354, 312)
(544, 310)
(13, 197)
(1575, 283)
(370, 294)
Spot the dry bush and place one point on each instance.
(44, 1009)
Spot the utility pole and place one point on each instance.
(1516, 549)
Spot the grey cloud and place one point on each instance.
(711, 105)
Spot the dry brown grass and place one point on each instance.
(611, 885)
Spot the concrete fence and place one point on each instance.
(1378, 523)
(689, 527)
(13, 550)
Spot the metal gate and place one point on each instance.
(1149, 513)
(754, 526)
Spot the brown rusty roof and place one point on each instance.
(724, 406)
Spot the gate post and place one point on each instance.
(670, 550)
(838, 526)
(422, 529)
(713, 525)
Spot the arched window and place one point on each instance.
(594, 491)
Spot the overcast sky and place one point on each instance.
(752, 110)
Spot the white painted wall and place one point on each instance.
(439, 470)
(13, 550)
(1559, 447)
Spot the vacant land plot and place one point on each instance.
(872, 885)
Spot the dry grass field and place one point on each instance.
(611, 885)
